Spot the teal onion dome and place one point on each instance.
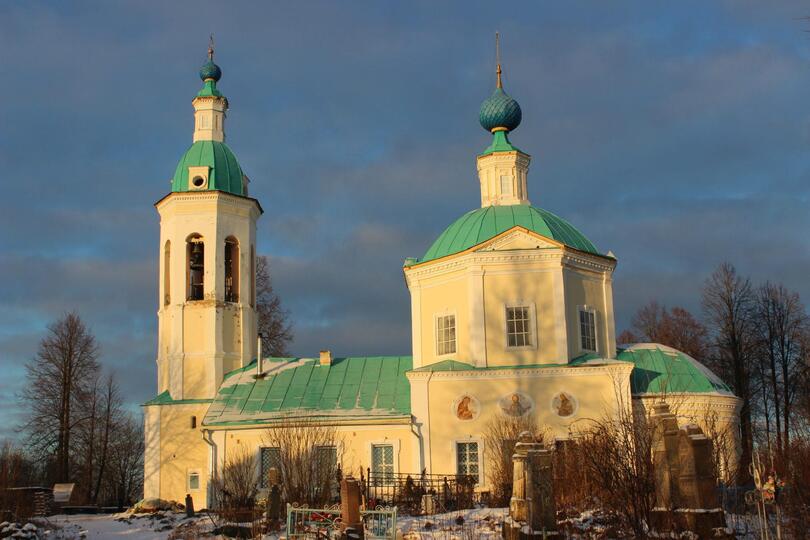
(500, 110)
(210, 70)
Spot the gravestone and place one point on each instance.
(532, 513)
(351, 523)
(685, 482)
(189, 506)
(273, 509)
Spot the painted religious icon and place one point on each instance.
(564, 404)
(466, 408)
(515, 404)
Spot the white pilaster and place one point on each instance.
(478, 327)
(560, 315)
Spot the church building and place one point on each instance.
(511, 315)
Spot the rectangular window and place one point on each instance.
(326, 458)
(506, 185)
(518, 326)
(587, 329)
(382, 463)
(270, 457)
(467, 459)
(446, 335)
(193, 480)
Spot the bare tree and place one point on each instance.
(235, 488)
(274, 325)
(308, 459)
(124, 483)
(111, 411)
(64, 368)
(676, 327)
(616, 454)
(728, 303)
(781, 328)
(500, 436)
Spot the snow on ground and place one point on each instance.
(484, 523)
(479, 523)
(157, 526)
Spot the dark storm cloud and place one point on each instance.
(676, 135)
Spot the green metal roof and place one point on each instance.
(660, 369)
(209, 89)
(224, 173)
(500, 143)
(356, 387)
(482, 224)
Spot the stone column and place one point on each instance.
(518, 506)
(532, 512)
(540, 490)
(685, 483)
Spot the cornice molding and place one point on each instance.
(620, 368)
(485, 257)
(219, 198)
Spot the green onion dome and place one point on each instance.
(224, 172)
(210, 70)
(500, 112)
(480, 225)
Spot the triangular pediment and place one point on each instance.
(518, 238)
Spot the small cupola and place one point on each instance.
(502, 168)
(210, 106)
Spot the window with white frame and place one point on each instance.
(445, 334)
(587, 329)
(467, 459)
(382, 463)
(193, 480)
(269, 457)
(519, 326)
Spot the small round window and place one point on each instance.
(198, 181)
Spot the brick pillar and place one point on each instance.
(351, 524)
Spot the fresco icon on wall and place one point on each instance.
(466, 408)
(516, 404)
(564, 404)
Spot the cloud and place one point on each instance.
(676, 135)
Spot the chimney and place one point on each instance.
(326, 358)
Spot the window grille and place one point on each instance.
(467, 459)
(270, 457)
(587, 329)
(518, 326)
(446, 335)
(382, 463)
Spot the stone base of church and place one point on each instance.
(706, 523)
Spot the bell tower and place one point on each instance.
(206, 314)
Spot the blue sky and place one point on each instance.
(676, 135)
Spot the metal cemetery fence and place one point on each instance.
(420, 494)
(324, 523)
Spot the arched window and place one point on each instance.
(195, 262)
(167, 296)
(252, 277)
(231, 269)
